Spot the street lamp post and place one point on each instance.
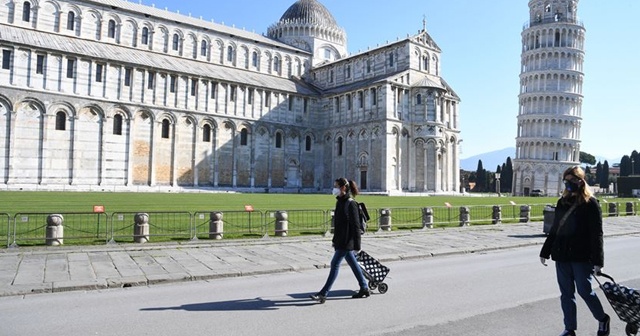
(632, 166)
(498, 184)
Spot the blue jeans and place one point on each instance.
(335, 267)
(572, 276)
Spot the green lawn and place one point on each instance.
(12, 202)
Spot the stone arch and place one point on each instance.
(129, 33)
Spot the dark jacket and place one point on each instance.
(580, 238)
(346, 234)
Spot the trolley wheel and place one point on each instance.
(383, 287)
(373, 285)
(631, 329)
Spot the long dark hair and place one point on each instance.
(352, 187)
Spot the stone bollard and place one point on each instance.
(525, 213)
(630, 210)
(613, 209)
(465, 216)
(282, 223)
(496, 216)
(333, 222)
(141, 228)
(216, 225)
(427, 218)
(385, 219)
(55, 230)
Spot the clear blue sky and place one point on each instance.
(481, 45)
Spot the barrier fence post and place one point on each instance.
(282, 223)
(496, 215)
(141, 228)
(525, 213)
(630, 210)
(216, 225)
(465, 216)
(55, 230)
(385, 219)
(427, 218)
(613, 209)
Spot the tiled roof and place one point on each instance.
(163, 14)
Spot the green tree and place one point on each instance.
(587, 158)
(604, 178)
(481, 178)
(625, 166)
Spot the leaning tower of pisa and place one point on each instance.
(550, 109)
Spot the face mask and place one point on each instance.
(336, 191)
(571, 186)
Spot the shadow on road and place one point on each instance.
(541, 235)
(297, 300)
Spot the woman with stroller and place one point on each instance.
(346, 238)
(575, 243)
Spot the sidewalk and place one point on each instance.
(70, 268)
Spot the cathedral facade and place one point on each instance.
(117, 96)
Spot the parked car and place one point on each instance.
(536, 193)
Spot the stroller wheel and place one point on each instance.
(383, 288)
(631, 329)
(373, 285)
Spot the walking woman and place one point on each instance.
(575, 243)
(346, 239)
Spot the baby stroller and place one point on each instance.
(625, 301)
(374, 271)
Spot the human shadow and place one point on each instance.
(541, 235)
(259, 303)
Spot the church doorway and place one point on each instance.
(363, 180)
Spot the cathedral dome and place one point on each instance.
(309, 12)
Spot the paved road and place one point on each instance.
(59, 269)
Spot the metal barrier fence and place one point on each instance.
(234, 224)
(298, 221)
(81, 227)
(174, 225)
(5, 227)
(92, 228)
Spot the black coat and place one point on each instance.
(580, 238)
(346, 234)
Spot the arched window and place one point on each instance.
(229, 54)
(339, 143)
(61, 121)
(419, 99)
(278, 140)
(165, 129)
(145, 36)
(254, 59)
(307, 143)
(111, 33)
(374, 97)
(176, 42)
(276, 64)
(426, 64)
(203, 48)
(26, 11)
(71, 21)
(206, 133)
(244, 137)
(117, 124)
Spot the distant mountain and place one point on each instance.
(490, 160)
